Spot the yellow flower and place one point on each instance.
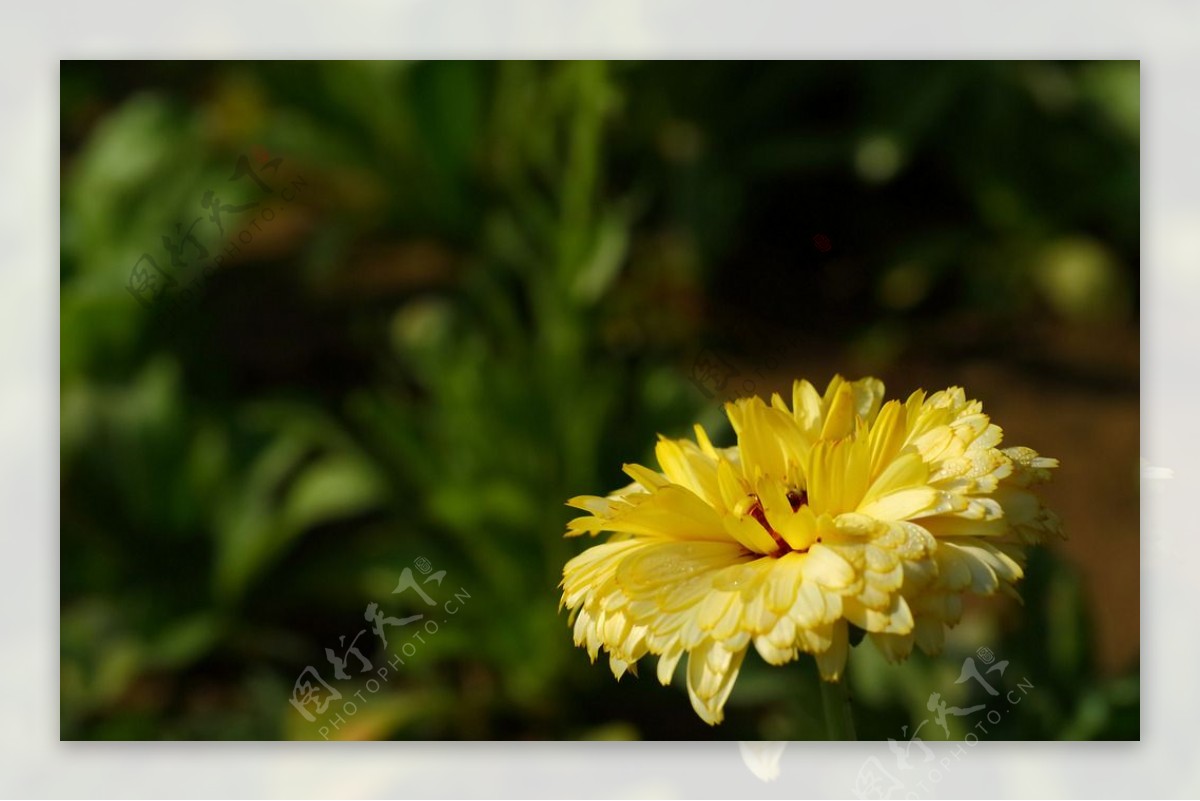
(839, 511)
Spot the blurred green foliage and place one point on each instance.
(482, 299)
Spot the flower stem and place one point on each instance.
(839, 717)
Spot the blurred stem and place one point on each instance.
(839, 717)
(562, 329)
(582, 164)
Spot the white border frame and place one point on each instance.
(1164, 34)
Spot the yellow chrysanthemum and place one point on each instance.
(841, 510)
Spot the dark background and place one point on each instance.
(483, 287)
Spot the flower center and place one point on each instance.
(796, 499)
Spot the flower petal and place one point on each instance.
(711, 672)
